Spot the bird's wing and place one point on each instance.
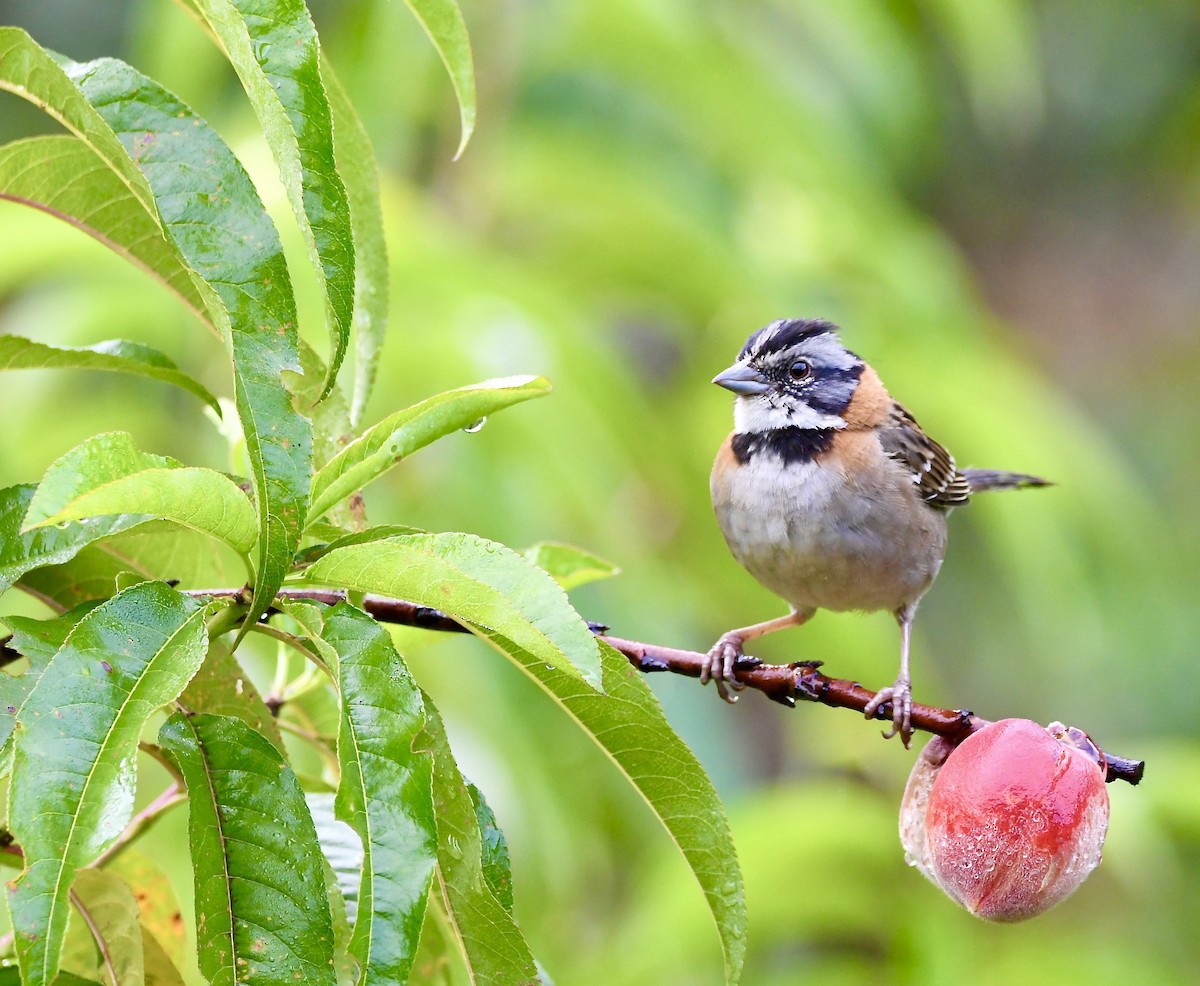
(937, 479)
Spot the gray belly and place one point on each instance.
(820, 542)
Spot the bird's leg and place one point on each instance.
(900, 693)
(725, 655)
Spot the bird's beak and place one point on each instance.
(742, 379)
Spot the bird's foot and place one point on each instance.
(900, 695)
(724, 658)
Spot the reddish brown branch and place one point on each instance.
(789, 683)
(783, 683)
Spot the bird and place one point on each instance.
(831, 495)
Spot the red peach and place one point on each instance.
(1009, 822)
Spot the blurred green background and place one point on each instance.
(998, 201)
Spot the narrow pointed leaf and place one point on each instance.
(569, 566)
(399, 435)
(356, 163)
(38, 641)
(478, 582)
(228, 239)
(492, 945)
(23, 551)
(107, 474)
(156, 146)
(628, 724)
(385, 793)
(261, 910)
(76, 739)
(29, 71)
(272, 46)
(443, 22)
(113, 913)
(116, 355)
(66, 176)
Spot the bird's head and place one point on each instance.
(793, 373)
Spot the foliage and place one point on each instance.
(997, 202)
(148, 177)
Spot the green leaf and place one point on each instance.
(383, 445)
(117, 355)
(67, 177)
(569, 566)
(245, 270)
(272, 46)
(385, 793)
(107, 474)
(23, 551)
(484, 585)
(261, 910)
(628, 724)
(497, 867)
(29, 71)
(222, 687)
(38, 641)
(492, 945)
(443, 22)
(76, 739)
(356, 163)
(112, 913)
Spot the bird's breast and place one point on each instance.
(844, 531)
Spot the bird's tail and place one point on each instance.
(982, 480)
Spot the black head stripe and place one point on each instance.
(790, 445)
(831, 393)
(785, 332)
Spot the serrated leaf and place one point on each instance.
(398, 435)
(569, 566)
(478, 582)
(226, 237)
(107, 474)
(272, 46)
(628, 724)
(76, 738)
(497, 867)
(66, 177)
(443, 22)
(385, 793)
(223, 235)
(38, 641)
(261, 911)
(115, 355)
(24, 551)
(356, 163)
(29, 71)
(113, 915)
(492, 945)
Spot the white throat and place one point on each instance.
(756, 413)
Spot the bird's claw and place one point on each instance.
(724, 658)
(900, 695)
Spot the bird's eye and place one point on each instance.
(800, 369)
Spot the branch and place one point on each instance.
(783, 683)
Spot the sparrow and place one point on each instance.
(830, 494)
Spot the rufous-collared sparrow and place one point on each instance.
(830, 494)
